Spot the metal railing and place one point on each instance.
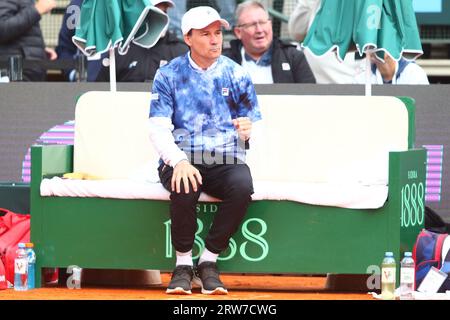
(13, 66)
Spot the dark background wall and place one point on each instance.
(27, 110)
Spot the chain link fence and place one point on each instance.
(51, 23)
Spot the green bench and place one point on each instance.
(276, 236)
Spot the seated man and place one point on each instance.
(393, 72)
(67, 50)
(201, 117)
(140, 64)
(268, 60)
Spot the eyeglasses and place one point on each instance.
(252, 26)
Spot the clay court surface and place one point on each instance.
(241, 287)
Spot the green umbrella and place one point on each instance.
(106, 24)
(379, 26)
(99, 27)
(376, 25)
(143, 23)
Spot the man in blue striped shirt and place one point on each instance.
(202, 112)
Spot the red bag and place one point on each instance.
(14, 228)
(3, 283)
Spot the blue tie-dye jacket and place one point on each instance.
(201, 104)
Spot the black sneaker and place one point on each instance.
(181, 280)
(207, 276)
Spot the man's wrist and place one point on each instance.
(244, 137)
(180, 161)
(387, 78)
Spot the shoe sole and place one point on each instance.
(217, 291)
(178, 290)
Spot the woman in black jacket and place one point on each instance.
(20, 33)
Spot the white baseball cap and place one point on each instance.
(170, 2)
(199, 18)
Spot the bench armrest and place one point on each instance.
(406, 168)
(407, 178)
(48, 161)
(51, 160)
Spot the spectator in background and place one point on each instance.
(140, 64)
(67, 50)
(225, 8)
(327, 69)
(198, 3)
(20, 33)
(302, 18)
(175, 16)
(393, 72)
(268, 60)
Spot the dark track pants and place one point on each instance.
(232, 183)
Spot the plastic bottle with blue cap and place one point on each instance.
(388, 277)
(31, 264)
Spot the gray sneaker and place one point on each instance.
(207, 276)
(181, 280)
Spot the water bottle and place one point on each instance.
(21, 269)
(407, 267)
(388, 277)
(31, 264)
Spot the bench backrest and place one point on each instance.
(304, 138)
(328, 138)
(111, 139)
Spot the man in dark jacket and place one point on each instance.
(20, 33)
(267, 60)
(67, 50)
(140, 64)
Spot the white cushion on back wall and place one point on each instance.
(314, 138)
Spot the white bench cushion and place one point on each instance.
(353, 196)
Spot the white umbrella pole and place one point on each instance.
(112, 70)
(368, 76)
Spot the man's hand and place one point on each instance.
(51, 54)
(185, 172)
(44, 6)
(387, 69)
(244, 127)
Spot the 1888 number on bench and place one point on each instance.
(251, 238)
(413, 207)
